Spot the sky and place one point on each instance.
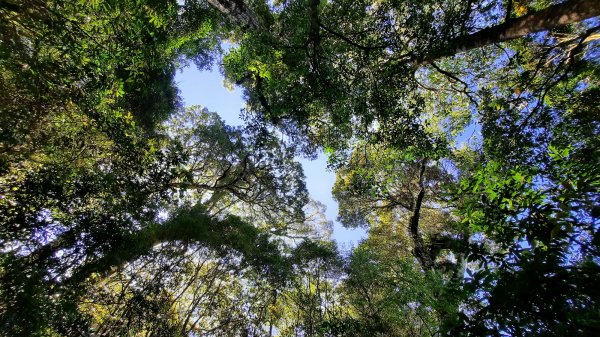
(206, 88)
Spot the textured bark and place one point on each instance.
(237, 12)
(548, 18)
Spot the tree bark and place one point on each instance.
(557, 15)
(237, 12)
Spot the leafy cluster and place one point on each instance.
(465, 137)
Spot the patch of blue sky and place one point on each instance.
(207, 88)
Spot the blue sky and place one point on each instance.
(206, 88)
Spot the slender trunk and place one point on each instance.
(561, 14)
(314, 30)
(274, 303)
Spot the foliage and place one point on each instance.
(475, 172)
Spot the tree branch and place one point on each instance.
(456, 79)
(237, 12)
(224, 236)
(553, 16)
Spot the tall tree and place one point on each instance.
(334, 55)
(390, 74)
(89, 169)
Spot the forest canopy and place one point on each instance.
(464, 135)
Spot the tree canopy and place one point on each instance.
(464, 136)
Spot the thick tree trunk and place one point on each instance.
(553, 16)
(237, 12)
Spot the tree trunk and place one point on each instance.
(237, 12)
(553, 16)
(421, 251)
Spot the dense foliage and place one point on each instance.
(465, 137)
